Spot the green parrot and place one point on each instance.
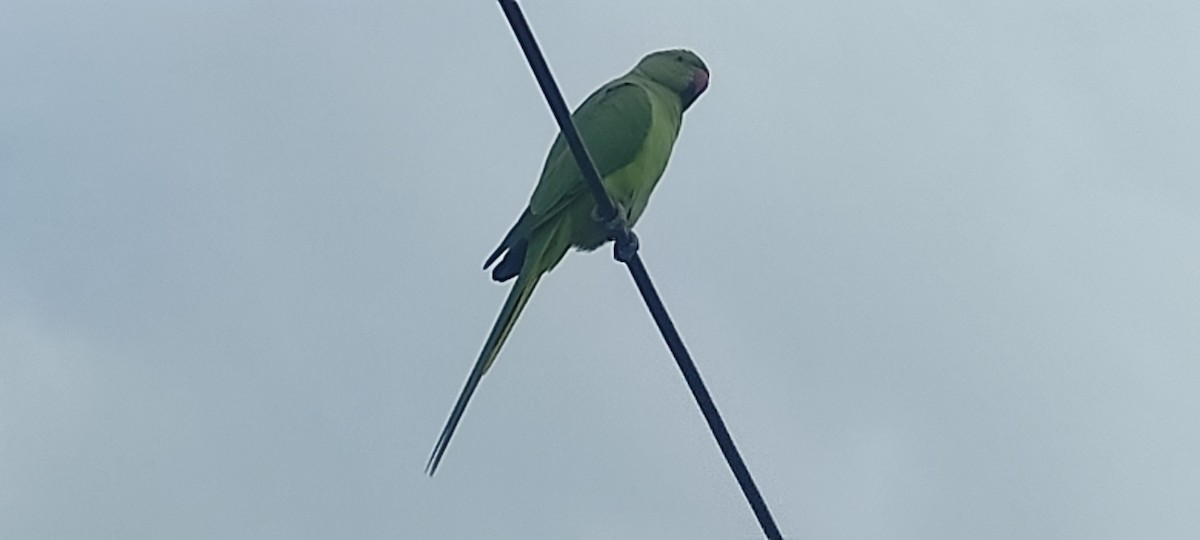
(629, 126)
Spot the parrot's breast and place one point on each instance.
(632, 184)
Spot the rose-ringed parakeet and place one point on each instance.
(629, 126)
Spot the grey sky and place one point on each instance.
(936, 260)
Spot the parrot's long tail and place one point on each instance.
(517, 297)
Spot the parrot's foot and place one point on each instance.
(625, 243)
(617, 224)
(624, 250)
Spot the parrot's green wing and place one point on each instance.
(613, 123)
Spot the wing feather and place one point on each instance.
(613, 122)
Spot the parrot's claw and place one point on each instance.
(624, 251)
(625, 243)
(617, 224)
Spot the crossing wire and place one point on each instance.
(625, 251)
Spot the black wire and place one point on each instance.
(541, 71)
(659, 311)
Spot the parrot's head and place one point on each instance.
(679, 70)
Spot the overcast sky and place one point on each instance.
(937, 262)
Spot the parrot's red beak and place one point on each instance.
(698, 85)
(700, 81)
